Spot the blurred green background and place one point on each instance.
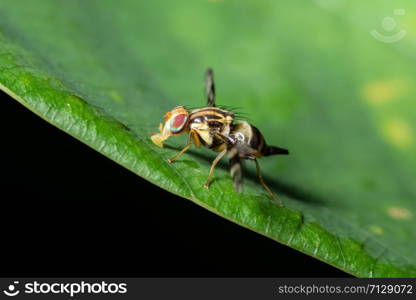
(330, 80)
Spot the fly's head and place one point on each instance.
(175, 123)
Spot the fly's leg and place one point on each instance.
(236, 168)
(214, 164)
(228, 141)
(265, 185)
(186, 148)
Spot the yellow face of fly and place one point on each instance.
(175, 123)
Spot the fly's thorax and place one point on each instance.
(198, 124)
(210, 120)
(212, 113)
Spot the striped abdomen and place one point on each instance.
(250, 137)
(249, 144)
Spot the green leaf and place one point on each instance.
(309, 75)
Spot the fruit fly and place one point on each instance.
(218, 130)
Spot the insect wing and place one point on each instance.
(210, 88)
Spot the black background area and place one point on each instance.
(68, 211)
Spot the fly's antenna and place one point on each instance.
(210, 88)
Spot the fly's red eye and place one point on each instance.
(177, 123)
